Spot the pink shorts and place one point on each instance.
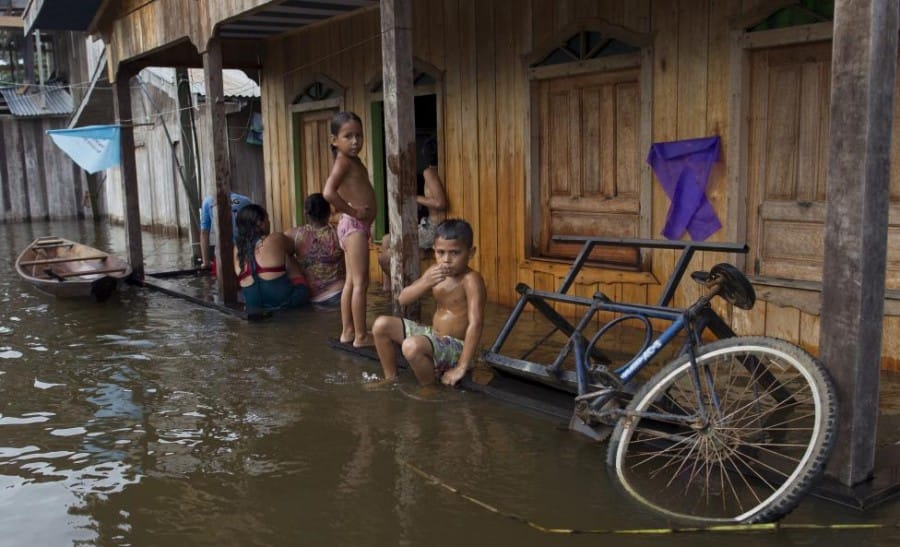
(349, 225)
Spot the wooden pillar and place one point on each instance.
(862, 87)
(400, 145)
(218, 148)
(128, 169)
(189, 171)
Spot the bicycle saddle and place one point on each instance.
(733, 285)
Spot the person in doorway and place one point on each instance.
(349, 191)
(447, 348)
(269, 276)
(207, 208)
(432, 200)
(319, 253)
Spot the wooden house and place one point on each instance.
(545, 111)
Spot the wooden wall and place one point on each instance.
(37, 180)
(479, 48)
(163, 201)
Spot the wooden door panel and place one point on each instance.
(788, 145)
(316, 155)
(589, 162)
(788, 151)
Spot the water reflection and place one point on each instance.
(151, 421)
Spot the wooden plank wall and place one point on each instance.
(37, 180)
(479, 47)
(163, 200)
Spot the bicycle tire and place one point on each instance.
(756, 456)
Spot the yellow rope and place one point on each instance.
(764, 527)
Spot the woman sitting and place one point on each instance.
(319, 253)
(268, 274)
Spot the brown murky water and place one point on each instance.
(148, 420)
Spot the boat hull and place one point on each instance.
(67, 269)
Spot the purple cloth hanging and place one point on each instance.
(682, 168)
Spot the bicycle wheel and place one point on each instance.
(743, 448)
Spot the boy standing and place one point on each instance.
(446, 349)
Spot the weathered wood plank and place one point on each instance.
(864, 61)
(489, 221)
(664, 21)
(122, 105)
(400, 144)
(226, 279)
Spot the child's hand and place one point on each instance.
(435, 274)
(454, 375)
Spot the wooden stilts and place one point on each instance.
(122, 100)
(862, 87)
(400, 145)
(218, 139)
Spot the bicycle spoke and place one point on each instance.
(738, 446)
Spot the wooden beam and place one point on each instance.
(191, 184)
(10, 21)
(400, 146)
(128, 169)
(863, 72)
(226, 279)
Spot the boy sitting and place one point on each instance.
(446, 349)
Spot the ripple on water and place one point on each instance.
(68, 432)
(7, 353)
(45, 385)
(27, 418)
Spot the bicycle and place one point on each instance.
(733, 431)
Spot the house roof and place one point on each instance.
(36, 102)
(236, 83)
(287, 16)
(60, 15)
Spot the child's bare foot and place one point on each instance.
(364, 341)
(347, 337)
(382, 384)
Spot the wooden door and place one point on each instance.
(788, 160)
(589, 161)
(315, 153)
(789, 124)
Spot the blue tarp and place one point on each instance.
(93, 147)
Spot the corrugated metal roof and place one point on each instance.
(35, 102)
(235, 82)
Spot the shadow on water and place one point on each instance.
(150, 421)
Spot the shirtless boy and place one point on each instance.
(348, 189)
(446, 349)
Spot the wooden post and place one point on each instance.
(400, 145)
(862, 87)
(128, 168)
(192, 188)
(215, 100)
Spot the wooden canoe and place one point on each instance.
(65, 268)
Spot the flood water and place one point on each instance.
(148, 420)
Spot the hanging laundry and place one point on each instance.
(682, 168)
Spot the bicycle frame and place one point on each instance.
(552, 373)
